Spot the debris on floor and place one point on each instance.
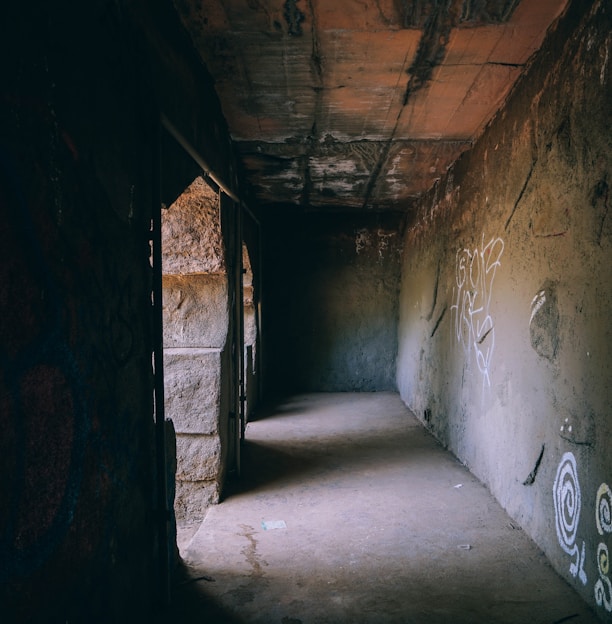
(269, 525)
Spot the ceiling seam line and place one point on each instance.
(316, 67)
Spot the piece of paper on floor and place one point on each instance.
(268, 525)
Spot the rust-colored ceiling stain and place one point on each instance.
(360, 104)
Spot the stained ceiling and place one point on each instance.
(360, 104)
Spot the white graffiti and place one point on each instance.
(567, 499)
(474, 276)
(603, 520)
(603, 515)
(603, 587)
(536, 303)
(567, 502)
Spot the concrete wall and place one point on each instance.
(78, 517)
(330, 302)
(505, 331)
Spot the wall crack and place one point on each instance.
(521, 193)
(530, 480)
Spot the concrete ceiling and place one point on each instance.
(360, 104)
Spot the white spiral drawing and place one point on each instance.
(603, 587)
(603, 509)
(566, 494)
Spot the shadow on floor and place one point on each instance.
(192, 602)
(350, 512)
(264, 464)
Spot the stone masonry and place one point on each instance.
(196, 320)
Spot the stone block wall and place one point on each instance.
(194, 310)
(193, 389)
(194, 402)
(196, 318)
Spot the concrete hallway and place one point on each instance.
(349, 511)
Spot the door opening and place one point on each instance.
(196, 322)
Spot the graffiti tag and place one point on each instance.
(473, 326)
(603, 519)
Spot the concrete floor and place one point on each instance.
(350, 512)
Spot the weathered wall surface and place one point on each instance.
(78, 501)
(330, 302)
(505, 331)
(77, 536)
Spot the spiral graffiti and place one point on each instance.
(603, 587)
(566, 494)
(603, 559)
(603, 509)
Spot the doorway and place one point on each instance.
(196, 322)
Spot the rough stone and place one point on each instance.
(195, 310)
(250, 325)
(193, 499)
(191, 232)
(197, 457)
(192, 379)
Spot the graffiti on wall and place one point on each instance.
(472, 323)
(567, 503)
(42, 392)
(567, 499)
(603, 519)
(65, 336)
